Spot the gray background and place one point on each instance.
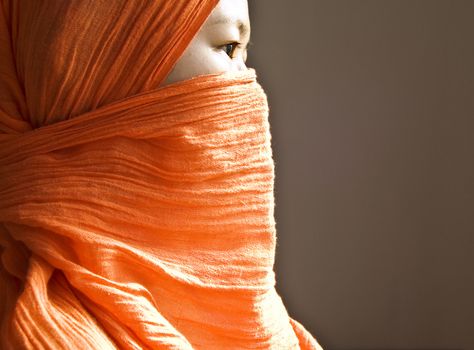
(372, 117)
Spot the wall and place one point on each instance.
(372, 116)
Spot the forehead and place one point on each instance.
(230, 11)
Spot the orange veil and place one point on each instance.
(132, 216)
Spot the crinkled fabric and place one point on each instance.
(132, 216)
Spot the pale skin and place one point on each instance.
(219, 46)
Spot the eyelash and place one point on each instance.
(233, 46)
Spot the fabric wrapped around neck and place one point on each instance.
(139, 217)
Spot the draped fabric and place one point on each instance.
(132, 216)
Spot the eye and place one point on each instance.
(229, 48)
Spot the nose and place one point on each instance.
(239, 65)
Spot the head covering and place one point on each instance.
(132, 216)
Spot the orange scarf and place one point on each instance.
(133, 216)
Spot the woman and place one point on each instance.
(136, 180)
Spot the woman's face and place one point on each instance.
(219, 46)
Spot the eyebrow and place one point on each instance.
(243, 28)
